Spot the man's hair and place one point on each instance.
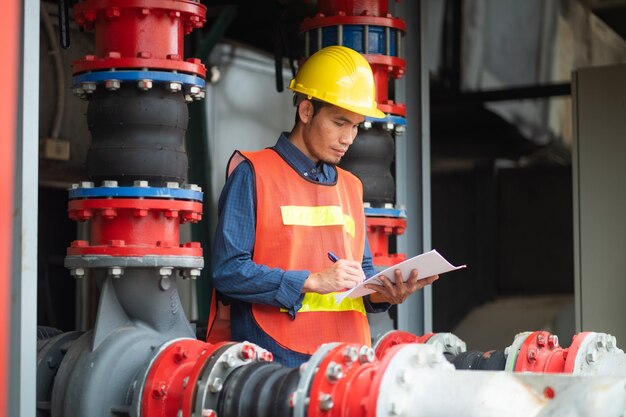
(317, 105)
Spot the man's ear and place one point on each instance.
(305, 111)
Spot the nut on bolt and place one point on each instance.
(174, 87)
(326, 402)
(180, 354)
(334, 372)
(77, 272)
(109, 183)
(88, 87)
(591, 357)
(541, 340)
(350, 354)
(216, 385)
(144, 85)
(366, 354)
(553, 341)
(112, 85)
(247, 352)
(611, 342)
(165, 271)
(229, 360)
(116, 271)
(192, 187)
(192, 273)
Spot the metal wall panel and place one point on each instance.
(600, 199)
(244, 110)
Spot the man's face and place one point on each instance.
(329, 133)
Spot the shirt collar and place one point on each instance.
(300, 161)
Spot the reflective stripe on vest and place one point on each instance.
(317, 216)
(298, 222)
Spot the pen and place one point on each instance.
(332, 257)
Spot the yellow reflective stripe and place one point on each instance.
(313, 302)
(349, 225)
(317, 216)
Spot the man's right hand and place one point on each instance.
(341, 275)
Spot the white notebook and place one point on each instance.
(427, 264)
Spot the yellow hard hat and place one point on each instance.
(339, 76)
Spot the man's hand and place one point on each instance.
(341, 275)
(396, 293)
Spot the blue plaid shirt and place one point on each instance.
(243, 281)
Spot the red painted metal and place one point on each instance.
(119, 248)
(574, 348)
(384, 67)
(390, 65)
(370, 400)
(170, 384)
(355, 7)
(378, 231)
(365, 13)
(398, 337)
(136, 34)
(541, 352)
(10, 47)
(321, 20)
(347, 390)
(135, 227)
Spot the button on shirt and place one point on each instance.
(242, 280)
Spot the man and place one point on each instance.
(284, 208)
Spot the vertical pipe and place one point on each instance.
(9, 44)
(415, 314)
(23, 312)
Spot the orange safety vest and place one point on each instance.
(298, 222)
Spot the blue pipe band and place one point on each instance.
(154, 76)
(396, 120)
(135, 192)
(353, 38)
(385, 212)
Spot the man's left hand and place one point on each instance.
(396, 293)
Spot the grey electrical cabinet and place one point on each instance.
(599, 175)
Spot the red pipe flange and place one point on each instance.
(395, 338)
(119, 248)
(137, 34)
(321, 20)
(378, 231)
(170, 384)
(573, 351)
(374, 7)
(135, 227)
(541, 352)
(370, 400)
(110, 208)
(340, 380)
(165, 385)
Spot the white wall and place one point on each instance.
(244, 110)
